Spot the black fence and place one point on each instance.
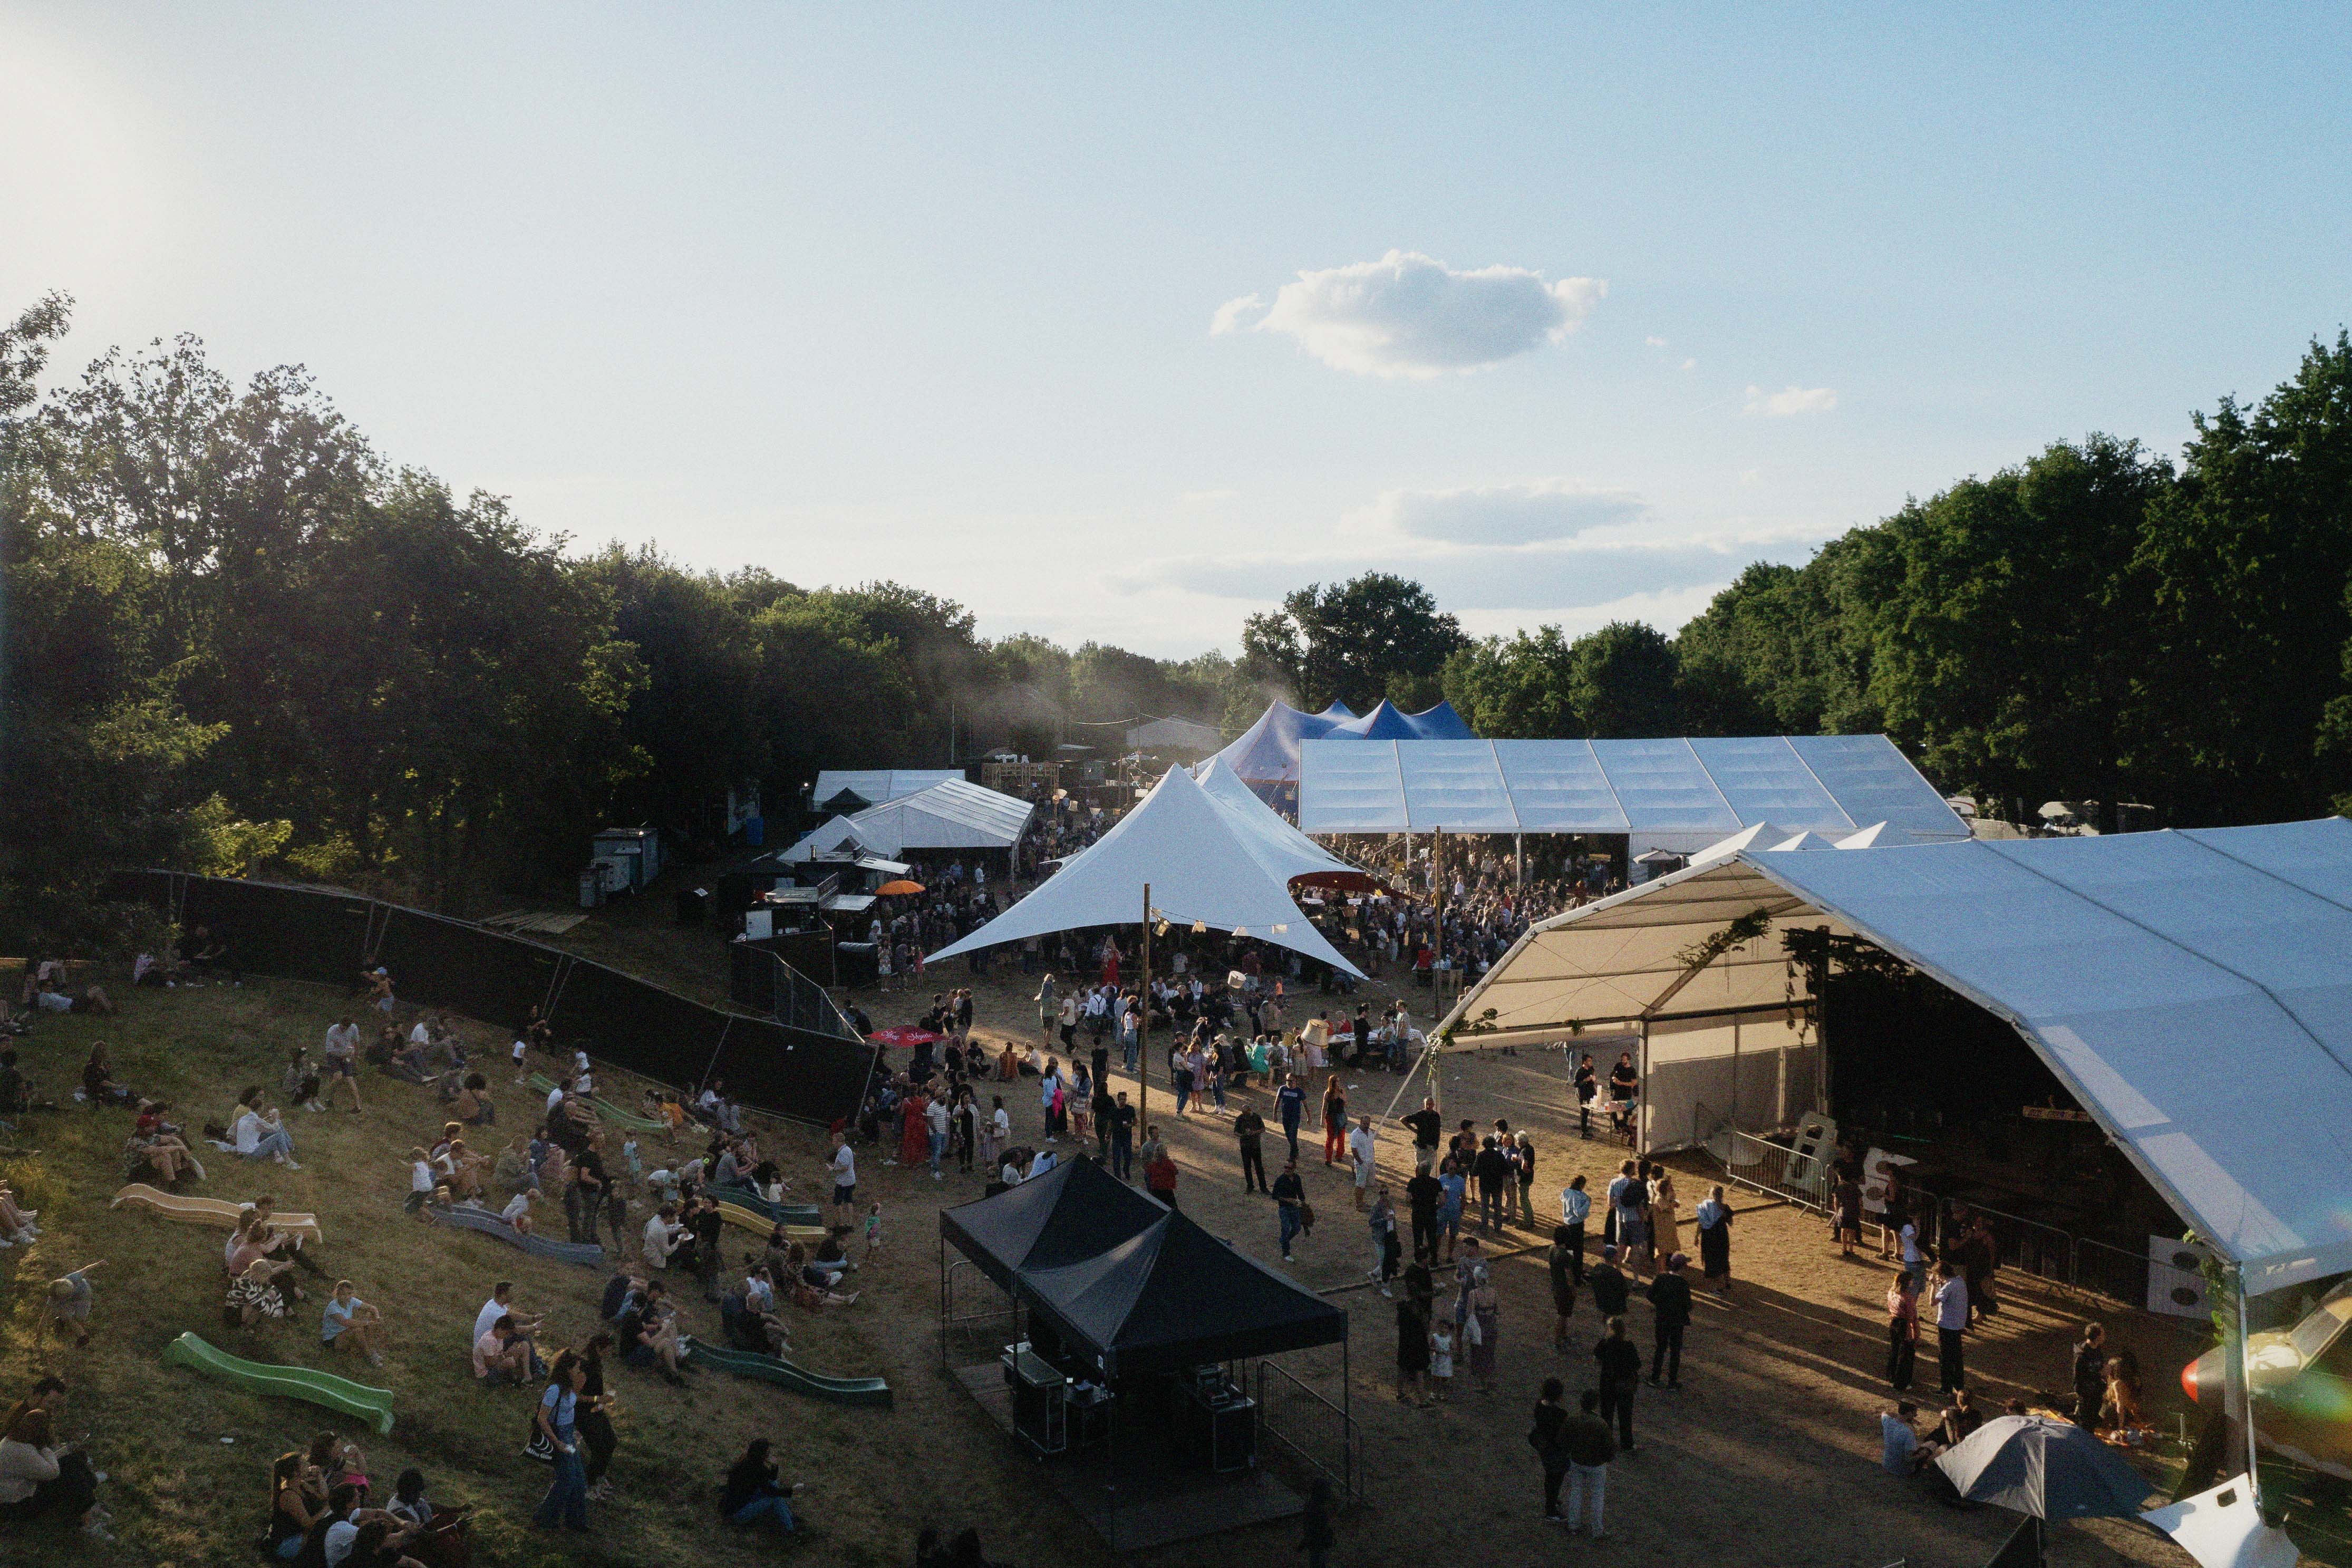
(804, 1061)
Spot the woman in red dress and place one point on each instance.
(1111, 964)
(915, 1133)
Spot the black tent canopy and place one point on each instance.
(1074, 1211)
(1134, 1287)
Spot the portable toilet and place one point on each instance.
(633, 856)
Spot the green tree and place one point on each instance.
(1356, 642)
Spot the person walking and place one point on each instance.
(1290, 1104)
(1482, 1333)
(1620, 1374)
(1049, 1008)
(1547, 1434)
(1670, 1314)
(1713, 1217)
(1249, 1131)
(1575, 1208)
(1951, 1323)
(1335, 1120)
(1290, 1202)
(1902, 1332)
(1590, 1449)
(1564, 1286)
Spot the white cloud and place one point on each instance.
(1410, 315)
(1791, 400)
(1655, 343)
(1229, 315)
(1499, 514)
(1689, 364)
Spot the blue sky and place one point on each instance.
(1569, 311)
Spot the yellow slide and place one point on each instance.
(735, 1214)
(218, 1213)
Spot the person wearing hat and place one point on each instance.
(1670, 1313)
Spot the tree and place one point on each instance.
(1523, 688)
(1622, 682)
(1356, 642)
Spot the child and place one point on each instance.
(518, 1210)
(1440, 1353)
(69, 1304)
(522, 1070)
(873, 1229)
(629, 1154)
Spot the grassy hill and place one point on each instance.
(189, 1458)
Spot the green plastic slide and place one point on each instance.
(871, 1391)
(337, 1394)
(606, 1108)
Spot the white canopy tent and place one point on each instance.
(2191, 990)
(950, 814)
(1204, 861)
(878, 786)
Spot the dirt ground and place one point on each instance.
(1767, 1457)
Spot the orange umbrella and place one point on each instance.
(900, 886)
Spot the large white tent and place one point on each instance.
(2191, 990)
(1206, 861)
(950, 814)
(876, 786)
(1676, 795)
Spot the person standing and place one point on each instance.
(1575, 1208)
(1610, 1289)
(1362, 1145)
(1159, 1171)
(1620, 1374)
(1526, 1174)
(1289, 1198)
(1249, 1131)
(1316, 1536)
(1670, 1314)
(1422, 1194)
(1586, 1439)
(1588, 1090)
(1427, 1123)
(1482, 1333)
(1049, 1008)
(1951, 1323)
(1413, 1341)
(1290, 1103)
(1493, 1169)
(567, 1495)
(1122, 1138)
(1547, 1433)
(1563, 1285)
(2090, 1376)
(1713, 1217)
(1902, 1332)
(1335, 1120)
(1847, 1201)
(1665, 1233)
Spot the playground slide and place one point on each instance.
(743, 1197)
(216, 1211)
(736, 1214)
(337, 1394)
(868, 1390)
(587, 1253)
(606, 1108)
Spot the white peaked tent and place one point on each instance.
(1202, 861)
(2191, 990)
(1279, 848)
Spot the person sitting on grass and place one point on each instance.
(51, 996)
(648, 1334)
(252, 1294)
(98, 1085)
(512, 1170)
(159, 1157)
(16, 1226)
(256, 1132)
(518, 1211)
(503, 1356)
(753, 1496)
(16, 1095)
(298, 1500)
(347, 1319)
(69, 1304)
(457, 1164)
(437, 1535)
(501, 1305)
(38, 1478)
(473, 1106)
(809, 1286)
(763, 1329)
(300, 1082)
(274, 1240)
(254, 1241)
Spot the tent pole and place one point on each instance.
(1519, 858)
(2237, 1361)
(1143, 1030)
(1437, 890)
(1642, 1110)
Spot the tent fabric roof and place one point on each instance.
(1268, 751)
(1073, 1211)
(1829, 784)
(878, 786)
(1278, 845)
(1139, 1288)
(1204, 861)
(950, 814)
(2192, 990)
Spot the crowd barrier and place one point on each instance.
(803, 1062)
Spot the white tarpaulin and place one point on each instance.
(950, 814)
(2192, 990)
(1204, 863)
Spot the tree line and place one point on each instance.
(235, 636)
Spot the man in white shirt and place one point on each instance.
(1899, 1452)
(500, 1305)
(1952, 1322)
(844, 1165)
(522, 1071)
(935, 1115)
(1361, 1144)
(663, 1235)
(1915, 1262)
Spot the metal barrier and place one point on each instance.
(1763, 1166)
(2041, 1250)
(2114, 1272)
(763, 982)
(1347, 1476)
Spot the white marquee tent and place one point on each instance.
(950, 814)
(878, 786)
(2192, 991)
(1676, 795)
(1206, 860)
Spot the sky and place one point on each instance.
(1118, 322)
